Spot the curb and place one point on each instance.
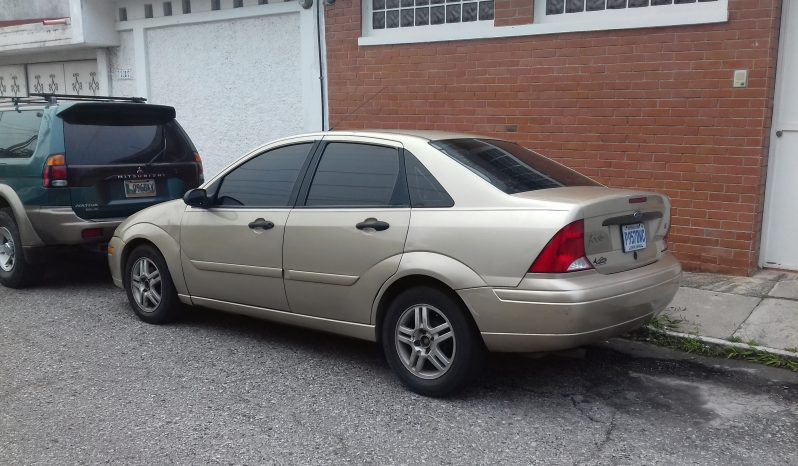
(725, 343)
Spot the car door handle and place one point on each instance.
(262, 224)
(373, 223)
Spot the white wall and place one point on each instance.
(234, 83)
(28, 9)
(122, 57)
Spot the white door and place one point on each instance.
(780, 228)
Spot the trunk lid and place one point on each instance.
(122, 158)
(623, 229)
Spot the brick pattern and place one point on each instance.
(513, 12)
(647, 109)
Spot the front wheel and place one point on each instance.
(430, 342)
(149, 286)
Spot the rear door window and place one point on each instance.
(510, 167)
(19, 132)
(91, 144)
(358, 175)
(267, 180)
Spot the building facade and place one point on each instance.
(238, 72)
(691, 98)
(675, 96)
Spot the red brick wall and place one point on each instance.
(513, 12)
(648, 108)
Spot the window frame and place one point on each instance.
(310, 174)
(216, 183)
(474, 27)
(652, 16)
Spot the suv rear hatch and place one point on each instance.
(122, 158)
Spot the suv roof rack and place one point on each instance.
(52, 99)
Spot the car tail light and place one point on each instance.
(54, 174)
(200, 170)
(565, 252)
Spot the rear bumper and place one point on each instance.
(547, 314)
(61, 226)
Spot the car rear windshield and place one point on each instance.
(93, 144)
(510, 167)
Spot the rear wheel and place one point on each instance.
(15, 271)
(149, 286)
(430, 342)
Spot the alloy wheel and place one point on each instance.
(7, 250)
(145, 283)
(425, 341)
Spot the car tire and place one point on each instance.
(15, 271)
(149, 286)
(436, 355)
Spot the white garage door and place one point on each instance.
(235, 84)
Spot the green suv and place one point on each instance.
(72, 168)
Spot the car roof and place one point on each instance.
(426, 135)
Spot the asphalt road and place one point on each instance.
(83, 381)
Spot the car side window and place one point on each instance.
(425, 191)
(358, 175)
(267, 180)
(19, 132)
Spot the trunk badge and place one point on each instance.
(140, 171)
(637, 215)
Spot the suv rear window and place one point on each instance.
(510, 167)
(87, 144)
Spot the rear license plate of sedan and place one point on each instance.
(634, 237)
(139, 188)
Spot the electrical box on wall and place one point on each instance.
(740, 78)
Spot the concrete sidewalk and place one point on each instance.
(761, 310)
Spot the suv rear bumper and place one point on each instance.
(60, 225)
(548, 314)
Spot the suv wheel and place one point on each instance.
(430, 342)
(15, 272)
(149, 286)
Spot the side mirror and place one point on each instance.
(197, 198)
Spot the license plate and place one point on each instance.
(140, 188)
(634, 237)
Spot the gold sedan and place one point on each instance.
(439, 246)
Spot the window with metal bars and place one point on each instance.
(559, 7)
(390, 14)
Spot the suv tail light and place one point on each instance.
(565, 252)
(54, 174)
(200, 170)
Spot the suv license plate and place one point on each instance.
(634, 237)
(140, 188)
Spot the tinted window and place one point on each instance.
(509, 166)
(357, 175)
(121, 144)
(425, 191)
(266, 180)
(18, 133)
